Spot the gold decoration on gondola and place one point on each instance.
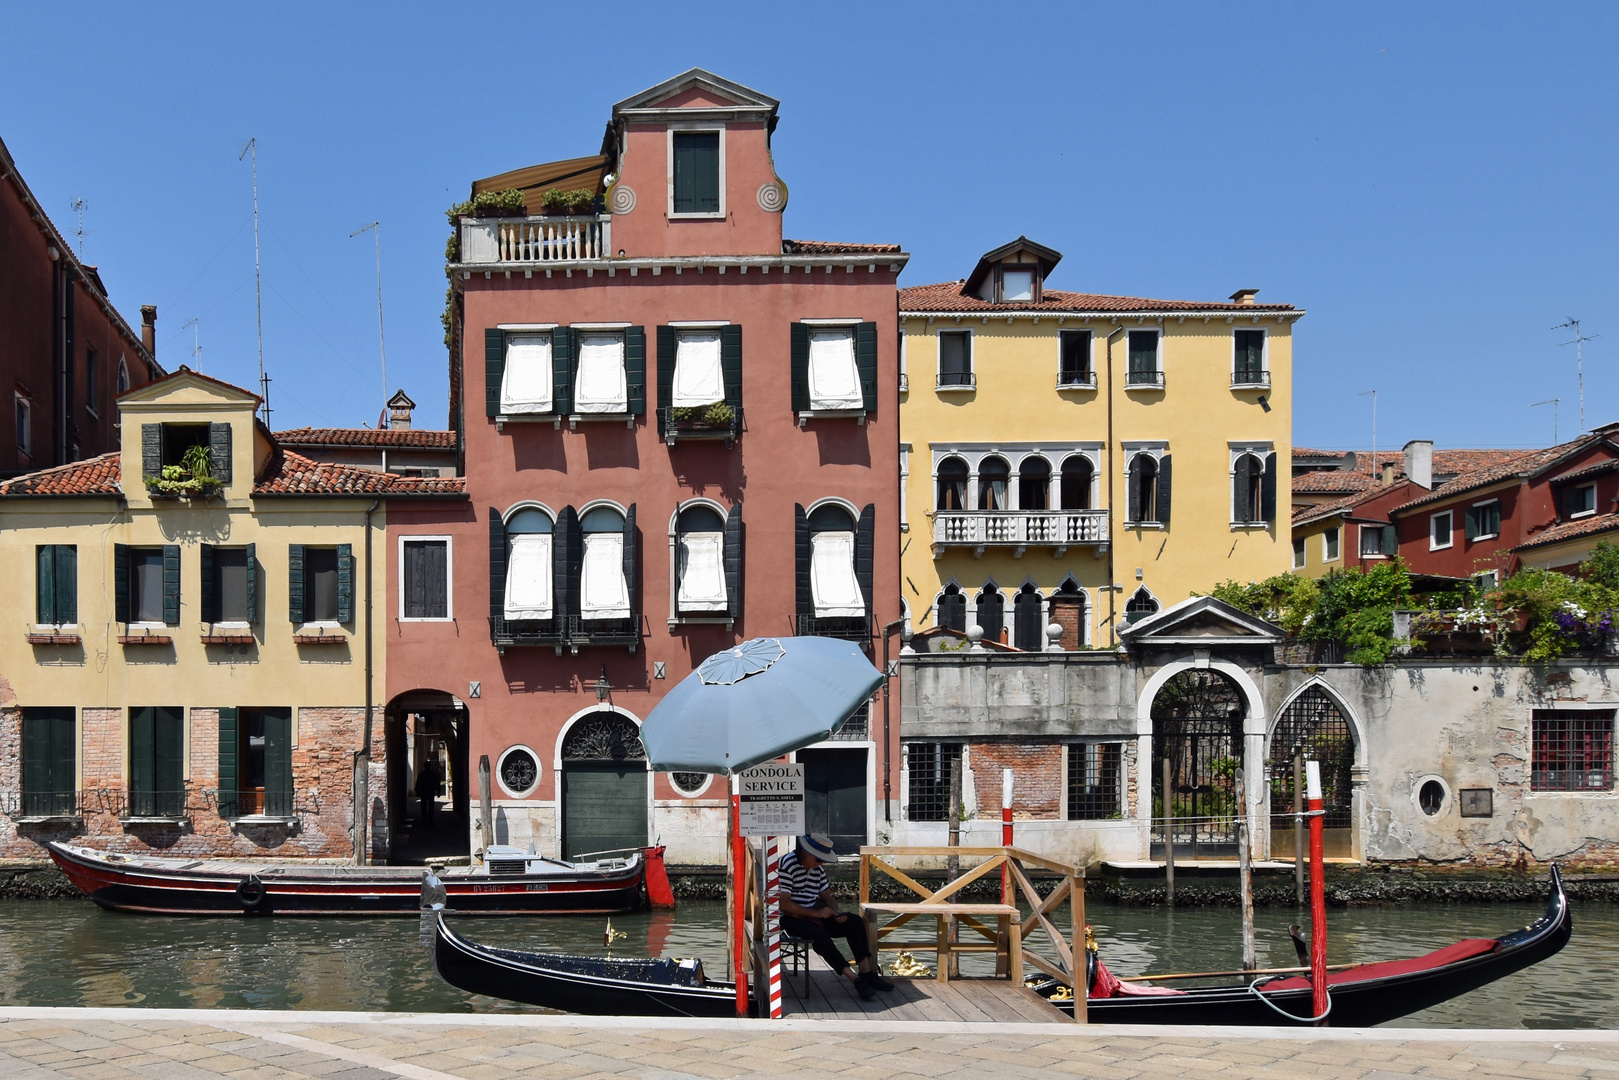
(906, 966)
(1090, 938)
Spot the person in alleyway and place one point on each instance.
(809, 912)
(428, 780)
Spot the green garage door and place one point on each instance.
(603, 806)
(835, 796)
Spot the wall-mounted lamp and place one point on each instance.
(1263, 402)
(604, 689)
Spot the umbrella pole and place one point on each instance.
(738, 904)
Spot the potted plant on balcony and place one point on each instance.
(192, 478)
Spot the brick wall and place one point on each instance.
(1069, 615)
(1037, 771)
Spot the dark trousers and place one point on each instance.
(820, 932)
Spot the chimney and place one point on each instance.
(1419, 462)
(1388, 473)
(1244, 297)
(399, 407)
(149, 329)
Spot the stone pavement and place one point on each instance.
(178, 1044)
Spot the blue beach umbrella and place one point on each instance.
(756, 701)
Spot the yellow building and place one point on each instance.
(185, 655)
(1085, 459)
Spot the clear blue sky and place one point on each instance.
(1434, 183)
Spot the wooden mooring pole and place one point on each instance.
(1298, 828)
(1169, 837)
(486, 805)
(952, 865)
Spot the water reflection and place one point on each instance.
(72, 953)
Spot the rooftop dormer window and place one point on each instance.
(1018, 283)
(695, 172)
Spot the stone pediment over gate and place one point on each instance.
(1201, 621)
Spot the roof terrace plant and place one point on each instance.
(193, 477)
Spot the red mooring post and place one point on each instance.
(1006, 833)
(739, 895)
(1318, 892)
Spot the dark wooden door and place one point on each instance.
(835, 795)
(603, 806)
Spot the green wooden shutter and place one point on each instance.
(120, 582)
(733, 562)
(45, 583)
(1244, 475)
(667, 347)
(1471, 521)
(1391, 541)
(494, 368)
(801, 561)
(205, 557)
(697, 172)
(219, 451)
(865, 551)
(345, 583)
(632, 580)
(67, 583)
(1133, 494)
(171, 584)
(865, 358)
(252, 584)
(799, 363)
(295, 583)
(168, 760)
(563, 340)
(567, 554)
(151, 449)
(1267, 491)
(1163, 490)
(142, 781)
(36, 760)
(731, 367)
(497, 565)
(635, 368)
(229, 734)
(278, 762)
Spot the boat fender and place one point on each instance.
(250, 892)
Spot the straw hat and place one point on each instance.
(818, 845)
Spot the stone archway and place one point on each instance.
(1197, 726)
(418, 725)
(603, 784)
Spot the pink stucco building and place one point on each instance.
(680, 431)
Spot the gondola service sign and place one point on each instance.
(772, 800)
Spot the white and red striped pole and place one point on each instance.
(1318, 891)
(1006, 833)
(773, 923)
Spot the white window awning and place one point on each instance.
(834, 589)
(698, 379)
(528, 577)
(525, 386)
(603, 592)
(601, 386)
(701, 560)
(834, 377)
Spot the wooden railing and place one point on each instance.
(549, 238)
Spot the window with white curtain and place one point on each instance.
(834, 589)
(698, 379)
(528, 565)
(525, 386)
(604, 593)
(700, 561)
(834, 377)
(601, 386)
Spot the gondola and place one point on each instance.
(1359, 996)
(510, 882)
(593, 985)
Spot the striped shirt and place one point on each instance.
(801, 884)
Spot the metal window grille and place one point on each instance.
(928, 786)
(1572, 751)
(856, 727)
(1093, 781)
(1312, 726)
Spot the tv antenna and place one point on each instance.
(382, 345)
(79, 207)
(1579, 358)
(258, 292)
(1363, 393)
(196, 348)
(1555, 403)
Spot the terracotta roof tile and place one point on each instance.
(1330, 481)
(412, 437)
(947, 296)
(1336, 506)
(294, 474)
(1446, 463)
(1572, 530)
(1520, 465)
(1590, 470)
(832, 247)
(94, 476)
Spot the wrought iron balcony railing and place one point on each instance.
(849, 628)
(565, 632)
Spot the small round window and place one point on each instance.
(519, 771)
(1431, 797)
(690, 783)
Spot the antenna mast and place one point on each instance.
(1555, 403)
(1579, 358)
(1363, 393)
(196, 349)
(79, 206)
(258, 292)
(382, 344)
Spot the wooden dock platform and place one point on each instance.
(832, 997)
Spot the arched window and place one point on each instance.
(834, 587)
(529, 565)
(952, 486)
(1140, 605)
(123, 375)
(952, 609)
(1313, 728)
(700, 561)
(1076, 483)
(993, 475)
(1247, 479)
(1034, 484)
(1068, 606)
(1145, 498)
(991, 612)
(1028, 619)
(604, 590)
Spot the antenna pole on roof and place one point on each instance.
(1363, 393)
(79, 206)
(1579, 358)
(382, 343)
(1555, 403)
(258, 292)
(196, 348)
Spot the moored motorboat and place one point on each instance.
(509, 882)
(1358, 996)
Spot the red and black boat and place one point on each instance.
(510, 882)
(1358, 996)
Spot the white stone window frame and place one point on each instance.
(696, 793)
(1261, 451)
(551, 416)
(904, 376)
(539, 770)
(576, 417)
(938, 361)
(1450, 530)
(694, 127)
(1327, 554)
(1264, 359)
(1014, 454)
(675, 617)
(1090, 358)
(1153, 448)
(904, 482)
(1492, 535)
(1592, 488)
(853, 326)
(1158, 359)
(505, 519)
(449, 576)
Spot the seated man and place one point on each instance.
(809, 912)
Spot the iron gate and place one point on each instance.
(1312, 727)
(1197, 726)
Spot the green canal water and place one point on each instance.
(73, 953)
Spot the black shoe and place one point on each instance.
(875, 980)
(863, 988)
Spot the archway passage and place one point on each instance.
(1313, 728)
(604, 786)
(1197, 726)
(425, 736)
